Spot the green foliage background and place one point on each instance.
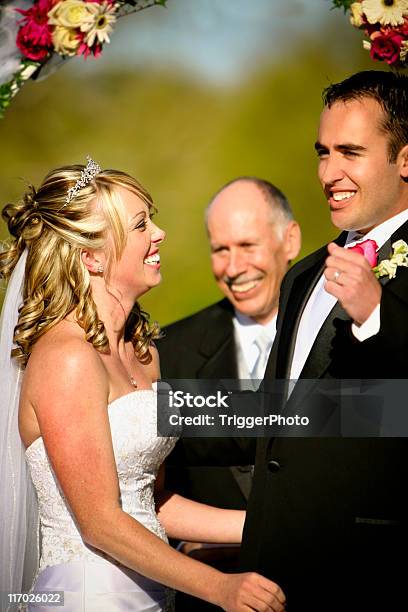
(183, 139)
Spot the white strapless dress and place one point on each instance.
(91, 580)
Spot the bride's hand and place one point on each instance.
(250, 591)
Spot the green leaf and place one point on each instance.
(345, 4)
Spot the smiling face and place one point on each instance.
(362, 187)
(138, 268)
(248, 257)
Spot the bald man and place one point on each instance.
(253, 237)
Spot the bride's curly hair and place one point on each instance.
(54, 233)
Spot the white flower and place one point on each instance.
(387, 268)
(386, 12)
(400, 246)
(399, 257)
(404, 51)
(102, 23)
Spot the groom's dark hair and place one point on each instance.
(390, 90)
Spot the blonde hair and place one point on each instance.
(56, 280)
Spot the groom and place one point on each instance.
(327, 516)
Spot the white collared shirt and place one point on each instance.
(321, 302)
(247, 331)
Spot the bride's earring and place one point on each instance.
(100, 269)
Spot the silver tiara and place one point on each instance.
(90, 171)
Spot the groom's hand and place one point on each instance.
(350, 279)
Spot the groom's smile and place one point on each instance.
(337, 199)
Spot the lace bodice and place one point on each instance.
(138, 455)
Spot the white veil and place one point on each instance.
(19, 548)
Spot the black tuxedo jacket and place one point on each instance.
(327, 516)
(202, 346)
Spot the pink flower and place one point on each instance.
(34, 36)
(85, 50)
(367, 248)
(386, 47)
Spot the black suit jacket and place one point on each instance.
(202, 346)
(327, 516)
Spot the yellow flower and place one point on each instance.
(65, 40)
(71, 14)
(102, 24)
(356, 17)
(385, 12)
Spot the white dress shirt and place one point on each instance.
(246, 333)
(321, 302)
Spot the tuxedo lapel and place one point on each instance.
(222, 362)
(319, 357)
(384, 253)
(218, 345)
(294, 312)
(302, 289)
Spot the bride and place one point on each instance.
(84, 249)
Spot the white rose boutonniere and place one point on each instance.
(399, 257)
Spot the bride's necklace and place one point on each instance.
(131, 379)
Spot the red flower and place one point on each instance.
(34, 36)
(386, 46)
(28, 48)
(368, 248)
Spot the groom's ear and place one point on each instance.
(402, 160)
